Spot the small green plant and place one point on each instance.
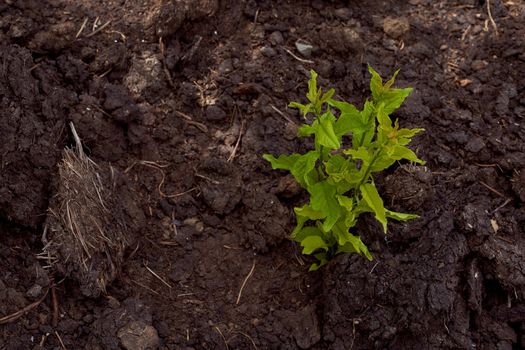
(340, 180)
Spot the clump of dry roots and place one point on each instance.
(88, 228)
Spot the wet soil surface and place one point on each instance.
(183, 97)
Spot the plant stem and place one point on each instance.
(368, 169)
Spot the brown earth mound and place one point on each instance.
(183, 97)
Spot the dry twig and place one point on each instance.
(159, 167)
(165, 67)
(282, 114)
(145, 287)
(43, 340)
(189, 55)
(244, 283)
(493, 190)
(491, 19)
(54, 302)
(98, 29)
(232, 155)
(222, 336)
(15, 316)
(249, 338)
(373, 268)
(156, 275)
(190, 121)
(298, 58)
(215, 182)
(507, 201)
(81, 28)
(60, 341)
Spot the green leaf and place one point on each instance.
(348, 117)
(341, 234)
(346, 202)
(297, 105)
(382, 162)
(349, 121)
(315, 96)
(307, 232)
(342, 173)
(348, 242)
(360, 123)
(374, 201)
(390, 82)
(303, 214)
(376, 83)
(312, 87)
(285, 162)
(303, 167)
(382, 118)
(337, 167)
(312, 243)
(355, 245)
(307, 211)
(362, 207)
(315, 267)
(350, 217)
(400, 216)
(361, 153)
(328, 95)
(307, 130)
(392, 153)
(402, 152)
(301, 220)
(325, 134)
(344, 107)
(364, 136)
(303, 108)
(322, 257)
(323, 199)
(392, 98)
(347, 248)
(323, 128)
(404, 136)
(366, 156)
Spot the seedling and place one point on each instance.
(340, 180)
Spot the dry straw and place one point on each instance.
(86, 233)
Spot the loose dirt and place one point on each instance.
(183, 97)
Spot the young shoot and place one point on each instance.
(340, 181)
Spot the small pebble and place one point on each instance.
(226, 66)
(324, 68)
(304, 48)
(475, 145)
(464, 114)
(477, 65)
(318, 4)
(344, 14)
(396, 27)
(215, 113)
(138, 335)
(113, 302)
(268, 51)
(276, 38)
(35, 291)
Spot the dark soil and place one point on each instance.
(161, 90)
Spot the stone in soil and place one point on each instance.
(215, 113)
(137, 335)
(396, 27)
